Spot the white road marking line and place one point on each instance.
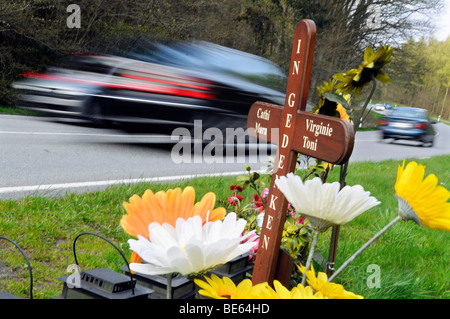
(33, 188)
(79, 134)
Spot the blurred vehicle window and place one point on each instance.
(87, 64)
(409, 112)
(200, 55)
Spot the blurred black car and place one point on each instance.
(408, 123)
(69, 89)
(159, 85)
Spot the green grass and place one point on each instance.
(413, 260)
(17, 111)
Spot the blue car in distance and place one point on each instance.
(408, 123)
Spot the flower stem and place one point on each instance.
(311, 254)
(360, 119)
(367, 244)
(342, 176)
(169, 286)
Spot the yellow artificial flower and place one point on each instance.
(375, 61)
(328, 103)
(342, 112)
(166, 207)
(328, 289)
(326, 87)
(224, 288)
(427, 200)
(281, 292)
(357, 79)
(347, 83)
(302, 292)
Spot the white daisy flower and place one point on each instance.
(323, 203)
(189, 247)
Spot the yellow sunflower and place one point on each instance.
(278, 292)
(422, 197)
(302, 292)
(224, 288)
(281, 292)
(326, 87)
(328, 289)
(357, 79)
(331, 103)
(166, 207)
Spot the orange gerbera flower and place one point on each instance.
(166, 207)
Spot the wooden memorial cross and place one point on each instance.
(323, 137)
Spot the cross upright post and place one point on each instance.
(323, 137)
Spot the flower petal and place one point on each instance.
(324, 201)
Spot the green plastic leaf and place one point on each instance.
(383, 77)
(291, 228)
(260, 183)
(242, 178)
(334, 97)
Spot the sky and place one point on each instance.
(443, 23)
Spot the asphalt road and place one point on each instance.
(43, 156)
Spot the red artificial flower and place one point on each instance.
(256, 198)
(258, 203)
(301, 220)
(236, 188)
(259, 206)
(234, 200)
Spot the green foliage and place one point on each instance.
(296, 232)
(252, 179)
(296, 235)
(420, 76)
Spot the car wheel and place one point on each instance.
(428, 143)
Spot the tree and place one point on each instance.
(420, 74)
